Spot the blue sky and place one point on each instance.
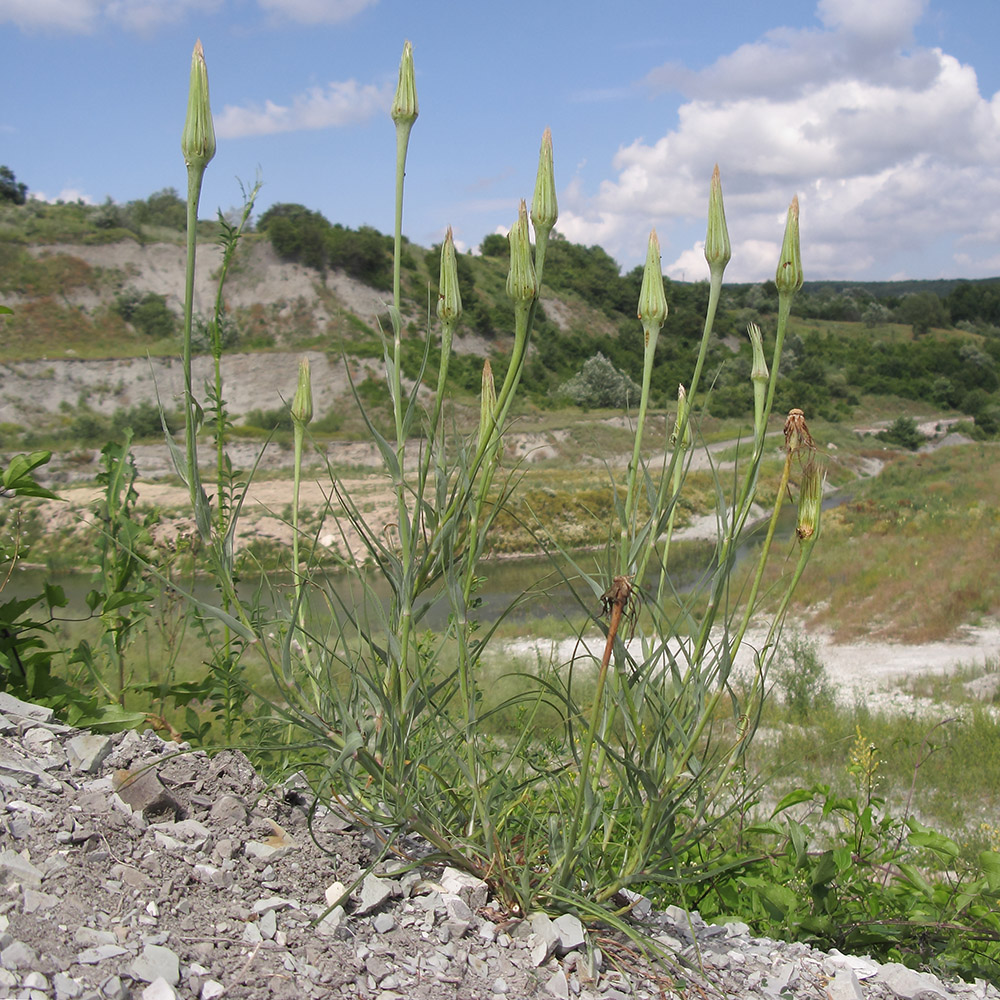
(883, 116)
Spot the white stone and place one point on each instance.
(474, 891)
(212, 988)
(374, 892)
(87, 752)
(157, 962)
(571, 932)
(159, 989)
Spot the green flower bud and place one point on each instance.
(652, 299)
(198, 138)
(717, 249)
(759, 372)
(302, 404)
(682, 418)
(521, 284)
(404, 104)
(487, 411)
(449, 306)
(810, 503)
(789, 275)
(544, 210)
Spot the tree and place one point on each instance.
(601, 384)
(10, 189)
(494, 245)
(922, 310)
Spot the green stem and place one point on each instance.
(195, 175)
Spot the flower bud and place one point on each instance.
(717, 249)
(521, 285)
(652, 299)
(302, 404)
(789, 275)
(682, 419)
(810, 502)
(759, 371)
(487, 410)
(544, 210)
(449, 306)
(198, 137)
(404, 104)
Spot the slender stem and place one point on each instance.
(195, 175)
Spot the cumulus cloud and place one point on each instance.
(145, 16)
(64, 15)
(316, 11)
(337, 104)
(889, 148)
(67, 195)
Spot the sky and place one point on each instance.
(883, 116)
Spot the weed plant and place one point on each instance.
(395, 718)
(642, 780)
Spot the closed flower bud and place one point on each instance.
(198, 138)
(682, 419)
(404, 104)
(544, 210)
(521, 285)
(449, 306)
(810, 502)
(302, 404)
(759, 371)
(652, 299)
(717, 248)
(487, 410)
(789, 275)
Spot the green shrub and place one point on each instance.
(903, 431)
(600, 384)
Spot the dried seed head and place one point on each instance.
(404, 105)
(797, 434)
(789, 274)
(521, 284)
(302, 404)
(717, 248)
(682, 419)
(449, 306)
(652, 299)
(810, 502)
(198, 137)
(544, 209)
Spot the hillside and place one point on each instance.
(88, 284)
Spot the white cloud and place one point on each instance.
(888, 149)
(337, 104)
(66, 195)
(316, 11)
(145, 16)
(74, 16)
(83, 16)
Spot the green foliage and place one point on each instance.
(922, 310)
(299, 234)
(163, 208)
(10, 189)
(148, 313)
(801, 676)
(494, 245)
(847, 872)
(600, 384)
(903, 431)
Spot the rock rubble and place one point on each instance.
(134, 868)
